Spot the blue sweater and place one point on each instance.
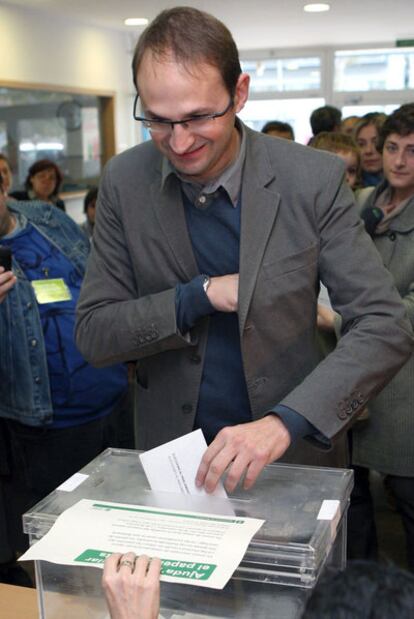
(223, 400)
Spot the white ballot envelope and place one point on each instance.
(172, 467)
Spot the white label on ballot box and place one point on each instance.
(330, 510)
(73, 482)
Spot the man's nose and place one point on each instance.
(181, 139)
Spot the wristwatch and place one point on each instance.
(206, 283)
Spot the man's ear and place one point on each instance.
(242, 91)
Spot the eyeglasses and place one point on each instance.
(193, 123)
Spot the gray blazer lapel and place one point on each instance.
(259, 208)
(169, 208)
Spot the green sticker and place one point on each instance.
(51, 290)
(190, 570)
(93, 556)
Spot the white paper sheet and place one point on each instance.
(195, 549)
(172, 467)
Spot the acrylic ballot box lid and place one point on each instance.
(292, 546)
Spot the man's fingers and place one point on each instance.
(236, 471)
(209, 455)
(252, 473)
(248, 463)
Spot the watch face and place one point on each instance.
(70, 115)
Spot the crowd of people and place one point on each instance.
(176, 277)
(379, 157)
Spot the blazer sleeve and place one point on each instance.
(114, 324)
(376, 335)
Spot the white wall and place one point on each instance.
(39, 48)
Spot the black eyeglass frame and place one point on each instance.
(172, 123)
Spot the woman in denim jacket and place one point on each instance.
(57, 412)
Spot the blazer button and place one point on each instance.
(341, 414)
(187, 409)
(392, 236)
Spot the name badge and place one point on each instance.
(51, 290)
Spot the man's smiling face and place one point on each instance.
(171, 91)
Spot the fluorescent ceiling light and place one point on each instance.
(316, 7)
(136, 21)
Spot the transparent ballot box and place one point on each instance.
(280, 567)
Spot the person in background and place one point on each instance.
(57, 412)
(345, 147)
(364, 590)
(384, 442)
(366, 135)
(43, 182)
(89, 206)
(6, 174)
(348, 124)
(279, 129)
(325, 118)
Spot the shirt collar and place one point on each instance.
(230, 179)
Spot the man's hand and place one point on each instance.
(132, 586)
(325, 318)
(247, 448)
(7, 281)
(223, 292)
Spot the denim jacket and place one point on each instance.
(24, 380)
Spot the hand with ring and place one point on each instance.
(131, 586)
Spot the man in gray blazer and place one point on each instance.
(209, 246)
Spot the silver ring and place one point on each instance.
(126, 562)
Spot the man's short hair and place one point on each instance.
(335, 142)
(363, 590)
(401, 121)
(326, 118)
(192, 37)
(279, 126)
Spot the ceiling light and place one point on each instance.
(136, 21)
(316, 7)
